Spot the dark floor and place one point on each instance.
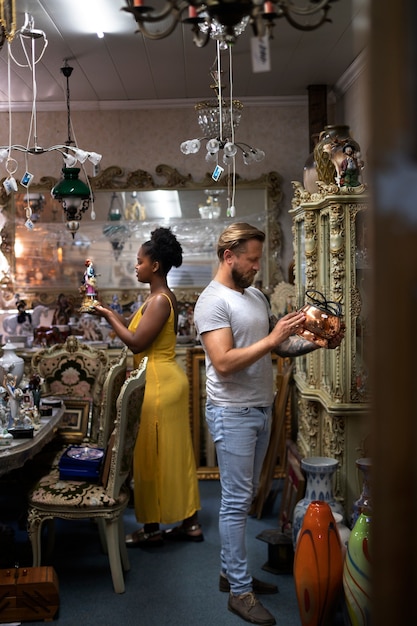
(173, 585)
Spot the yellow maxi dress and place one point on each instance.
(164, 470)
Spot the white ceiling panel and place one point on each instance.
(124, 66)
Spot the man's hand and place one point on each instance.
(286, 326)
(335, 341)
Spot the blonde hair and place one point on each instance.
(235, 236)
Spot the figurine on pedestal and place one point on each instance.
(63, 311)
(14, 396)
(5, 437)
(88, 287)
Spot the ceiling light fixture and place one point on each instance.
(225, 20)
(69, 151)
(115, 230)
(218, 119)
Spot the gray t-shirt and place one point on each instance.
(247, 314)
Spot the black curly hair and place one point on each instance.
(165, 248)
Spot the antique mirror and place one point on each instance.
(128, 206)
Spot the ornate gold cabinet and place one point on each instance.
(331, 256)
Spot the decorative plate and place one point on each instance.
(85, 454)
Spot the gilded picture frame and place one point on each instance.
(73, 427)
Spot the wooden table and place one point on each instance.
(21, 450)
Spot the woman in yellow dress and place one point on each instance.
(164, 470)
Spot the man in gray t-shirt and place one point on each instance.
(246, 315)
(232, 319)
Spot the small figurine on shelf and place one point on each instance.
(88, 287)
(350, 167)
(137, 303)
(63, 311)
(5, 437)
(115, 304)
(24, 319)
(15, 395)
(35, 389)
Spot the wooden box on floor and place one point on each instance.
(28, 594)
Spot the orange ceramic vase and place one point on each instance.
(318, 566)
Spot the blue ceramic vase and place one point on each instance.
(319, 471)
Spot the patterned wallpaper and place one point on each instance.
(143, 139)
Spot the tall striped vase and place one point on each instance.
(356, 573)
(318, 566)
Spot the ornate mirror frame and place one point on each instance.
(116, 179)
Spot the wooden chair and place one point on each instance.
(276, 441)
(73, 370)
(115, 377)
(53, 497)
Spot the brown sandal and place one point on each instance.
(140, 539)
(180, 533)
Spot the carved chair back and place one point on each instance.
(76, 370)
(123, 438)
(115, 377)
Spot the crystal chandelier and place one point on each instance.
(218, 119)
(225, 20)
(74, 195)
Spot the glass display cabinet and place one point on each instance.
(331, 256)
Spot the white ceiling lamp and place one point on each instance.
(34, 43)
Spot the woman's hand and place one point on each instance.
(98, 309)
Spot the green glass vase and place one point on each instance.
(357, 572)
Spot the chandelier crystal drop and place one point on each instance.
(208, 116)
(225, 20)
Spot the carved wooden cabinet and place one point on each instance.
(332, 256)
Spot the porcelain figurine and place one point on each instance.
(15, 395)
(88, 287)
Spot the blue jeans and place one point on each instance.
(241, 436)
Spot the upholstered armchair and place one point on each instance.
(54, 497)
(76, 370)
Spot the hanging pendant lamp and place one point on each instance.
(74, 196)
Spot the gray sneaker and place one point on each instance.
(248, 607)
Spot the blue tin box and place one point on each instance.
(81, 463)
